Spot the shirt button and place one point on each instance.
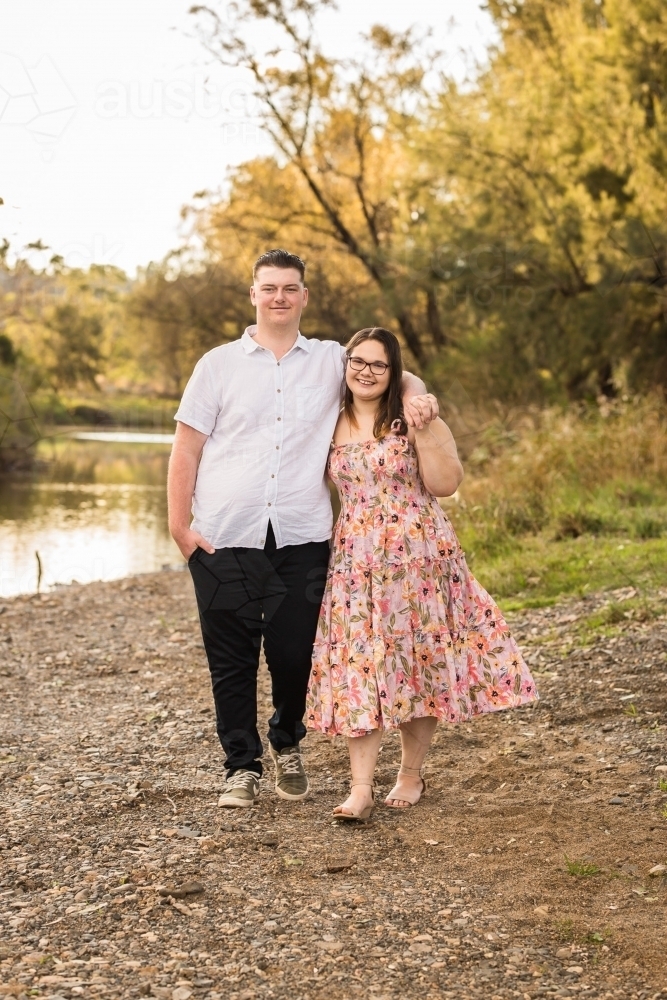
(279, 418)
(277, 390)
(272, 476)
(277, 447)
(268, 505)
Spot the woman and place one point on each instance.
(406, 635)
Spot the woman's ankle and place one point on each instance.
(409, 772)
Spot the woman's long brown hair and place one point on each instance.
(390, 407)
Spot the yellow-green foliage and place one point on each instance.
(568, 500)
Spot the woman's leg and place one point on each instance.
(363, 758)
(416, 737)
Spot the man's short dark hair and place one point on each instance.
(279, 258)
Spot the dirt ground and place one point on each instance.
(120, 876)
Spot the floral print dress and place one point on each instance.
(405, 630)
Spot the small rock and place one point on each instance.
(181, 907)
(118, 890)
(616, 801)
(331, 946)
(185, 831)
(576, 970)
(541, 911)
(81, 895)
(340, 864)
(181, 993)
(564, 953)
(269, 841)
(661, 768)
(181, 891)
(658, 870)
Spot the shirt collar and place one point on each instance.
(250, 344)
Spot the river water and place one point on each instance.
(94, 509)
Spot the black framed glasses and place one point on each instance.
(358, 365)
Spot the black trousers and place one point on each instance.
(245, 595)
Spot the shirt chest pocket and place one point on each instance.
(310, 401)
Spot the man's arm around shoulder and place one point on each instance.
(419, 406)
(183, 464)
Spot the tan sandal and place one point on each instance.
(413, 797)
(364, 815)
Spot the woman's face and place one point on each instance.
(367, 384)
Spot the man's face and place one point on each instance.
(279, 295)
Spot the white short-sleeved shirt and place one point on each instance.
(269, 425)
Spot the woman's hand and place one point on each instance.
(420, 410)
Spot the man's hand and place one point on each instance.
(189, 540)
(420, 410)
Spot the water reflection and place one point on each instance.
(94, 510)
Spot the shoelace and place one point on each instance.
(290, 763)
(239, 778)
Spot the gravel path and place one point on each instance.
(120, 876)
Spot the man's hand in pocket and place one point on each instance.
(189, 540)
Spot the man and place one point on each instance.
(249, 458)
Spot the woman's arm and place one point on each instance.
(439, 464)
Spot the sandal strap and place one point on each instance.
(413, 771)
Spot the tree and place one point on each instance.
(75, 355)
(512, 229)
(340, 131)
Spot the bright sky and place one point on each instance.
(99, 182)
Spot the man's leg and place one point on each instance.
(233, 659)
(229, 586)
(289, 636)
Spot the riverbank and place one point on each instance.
(525, 872)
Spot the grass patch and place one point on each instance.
(537, 571)
(662, 784)
(565, 929)
(581, 869)
(566, 502)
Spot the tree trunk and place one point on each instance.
(433, 319)
(410, 334)
(606, 385)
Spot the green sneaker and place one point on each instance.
(241, 790)
(291, 778)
